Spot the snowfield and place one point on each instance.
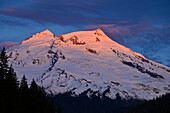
(85, 60)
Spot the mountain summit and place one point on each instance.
(41, 36)
(47, 32)
(88, 61)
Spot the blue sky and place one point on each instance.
(142, 25)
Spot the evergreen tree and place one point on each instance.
(40, 104)
(2, 98)
(3, 68)
(11, 80)
(24, 86)
(8, 85)
(34, 87)
(3, 63)
(24, 96)
(3, 74)
(118, 97)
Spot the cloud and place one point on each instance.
(7, 44)
(13, 23)
(78, 12)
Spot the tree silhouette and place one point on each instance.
(11, 80)
(24, 85)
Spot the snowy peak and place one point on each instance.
(100, 32)
(87, 37)
(46, 32)
(102, 35)
(84, 60)
(40, 37)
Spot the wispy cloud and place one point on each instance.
(77, 12)
(7, 44)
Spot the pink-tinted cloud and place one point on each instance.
(108, 25)
(7, 44)
(88, 12)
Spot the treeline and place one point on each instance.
(65, 103)
(17, 97)
(158, 105)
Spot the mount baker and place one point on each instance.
(88, 61)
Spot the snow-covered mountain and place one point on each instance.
(85, 60)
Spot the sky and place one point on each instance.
(142, 25)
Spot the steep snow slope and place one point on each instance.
(85, 60)
(30, 57)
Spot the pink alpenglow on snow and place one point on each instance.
(84, 60)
